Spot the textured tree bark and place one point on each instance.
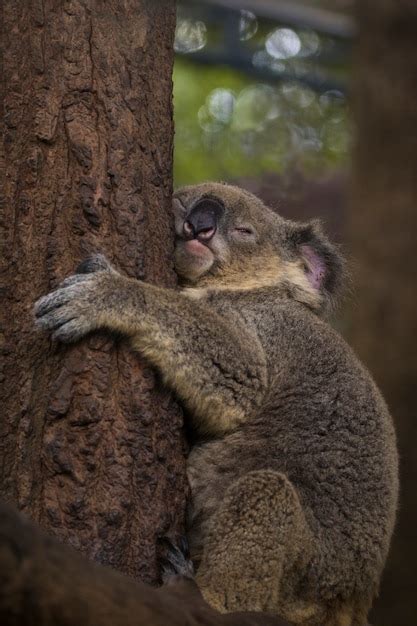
(383, 243)
(47, 584)
(90, 445)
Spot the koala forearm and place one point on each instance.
(215, 365)
(200, 355)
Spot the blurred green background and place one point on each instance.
(261, 92)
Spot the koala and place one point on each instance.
(293, 466)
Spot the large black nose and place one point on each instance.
(203, 219)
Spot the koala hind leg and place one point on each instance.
(257, 540)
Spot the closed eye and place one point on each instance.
(244, 230)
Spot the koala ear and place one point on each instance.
(323, 265)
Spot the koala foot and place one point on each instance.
(176, 559)
(256, 535)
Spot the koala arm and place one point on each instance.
(215, 365)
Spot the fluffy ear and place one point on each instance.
(323, 265)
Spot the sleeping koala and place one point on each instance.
(294, 469)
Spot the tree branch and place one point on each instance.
(48, 584)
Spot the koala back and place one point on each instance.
(324, 424)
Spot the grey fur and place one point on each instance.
(294, 469)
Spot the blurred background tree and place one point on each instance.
(381, 237)
(263, 97)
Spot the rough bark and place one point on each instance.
(382, 236)
(90, 446)
(47, 584)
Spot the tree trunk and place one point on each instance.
(383, 223)
(90, 445)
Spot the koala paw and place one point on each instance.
(95, 263)
(176, 559)
(72, 310)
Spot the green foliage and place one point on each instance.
(228, 126)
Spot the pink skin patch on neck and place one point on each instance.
(316, 266)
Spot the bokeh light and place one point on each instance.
(190, 36)
(248, 25)
(283, 43)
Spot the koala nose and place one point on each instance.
(202, 221)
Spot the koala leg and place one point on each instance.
(257, 547)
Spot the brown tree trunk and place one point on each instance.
(383, 226)
(90, 446)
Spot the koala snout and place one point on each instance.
(202, 220)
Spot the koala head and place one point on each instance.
(226, 238)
